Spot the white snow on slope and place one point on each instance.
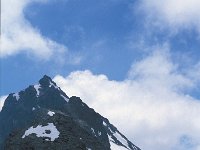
(16, 95)
(93, 131)
(104, 123)
(117, 135)
(99, 133)
(52, 84)
(51, 113)
(114, 146)
(40, 131)
(37, 87)
(121, 139)
(2, 100)
(65, 98)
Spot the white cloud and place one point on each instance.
(150, 106)
(173, 13)
(159, 69)
(2, 100)
(17, 34)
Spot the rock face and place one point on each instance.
(43, 117)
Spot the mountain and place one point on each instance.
(43, 117)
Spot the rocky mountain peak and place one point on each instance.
(30, 118)
(46, 81)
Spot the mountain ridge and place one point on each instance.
(45, 104)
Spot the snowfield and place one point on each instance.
(51, 113)
(49, 131)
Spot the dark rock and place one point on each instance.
(79, 127)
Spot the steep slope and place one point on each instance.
(43, 117)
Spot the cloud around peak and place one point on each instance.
(152, 109)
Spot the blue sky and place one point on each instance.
(138, 45)
(97, 32)
(103, 35)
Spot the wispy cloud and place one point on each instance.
(150, 106)
(18, 35)
(176, 14)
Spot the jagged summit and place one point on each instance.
(46, 81)
(43, 117)
(46, 77)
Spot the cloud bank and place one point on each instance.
(150, 106)
(18, 35)
(177, 14)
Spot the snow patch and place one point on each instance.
(33, 108)
(114, 146)
(65, 98)
(51, 113)
(16, 95)
(104, 123)
(111, 130)
(37, 87)
(99, 133)
(93, 131)
(52, 84)
(121, 139)
(40, 131)
(2, 100)
(88, 148)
